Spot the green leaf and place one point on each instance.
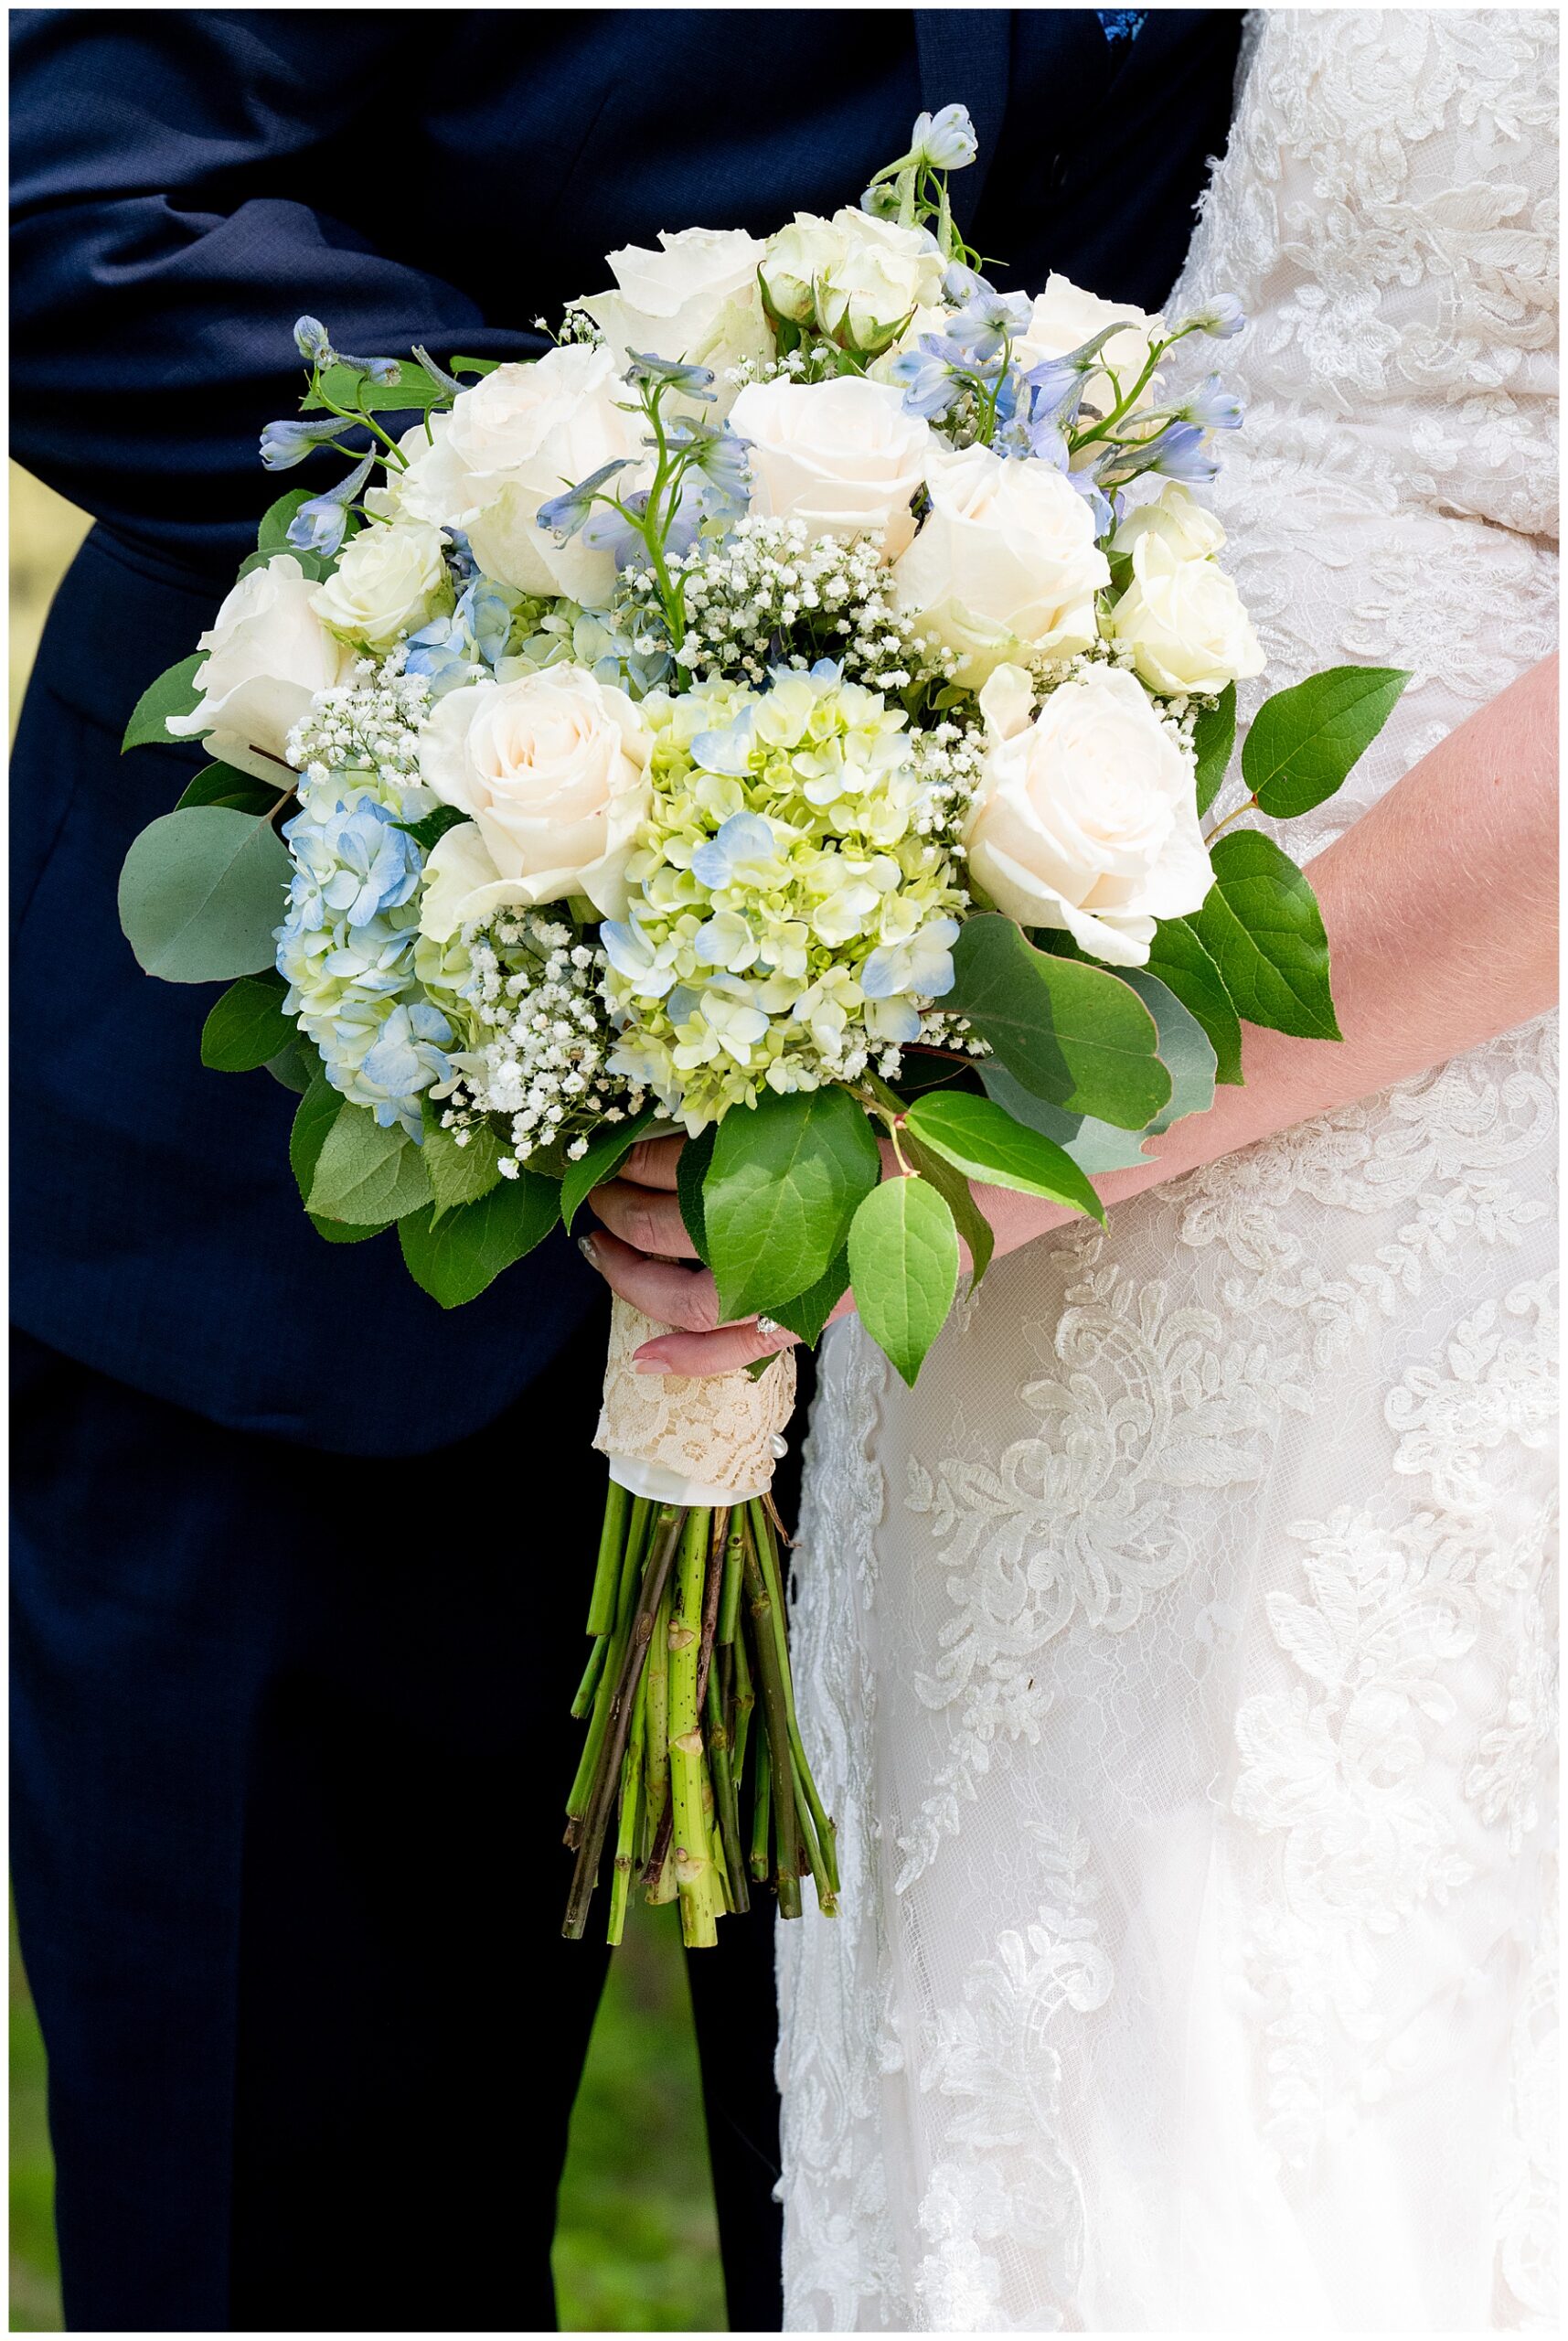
(367, 1175)
(783, 1186)
(454, 1256)
(808, 1312)
(1303, 740)
(319, 1109)
(614, 1141)
(200, 894)
(904, 1265)
(473, 365)
(690, 1169)
(1180, 961)
(1261, 927)
(273, 536)
(1095, 1146)
(297, 1065)
(1213, 737)
(427, 834)
(174, 693)
(338, 1231)
(343, 386)
(246, 1028)
(984, 1143)
(221, 784)
(1069, 1031)
(459, 1174)
(312, 564)
(1185, 1049)
(954, 1188)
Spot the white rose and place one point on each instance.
(1087, 816)
(1178, 519)
(1064, 317)
(553, 770)
(390, 581)
(857, 276)
(842, 457)
(515, 440)
(697, 299)
(1184, 622)
(1004, 562)
(267, 655)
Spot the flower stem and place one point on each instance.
(606, 1570)
(626, 1826)
(725, 1800)
(775, 1715)
(761, 1787)
(693, 1864)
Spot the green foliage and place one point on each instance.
(954, 1188)
(1097, 1147)
(313, 565)
(297, 1065)
(246, 1028)
(809, 1310)
(781, 1191)
(1261, 927)
(221, 784)
(904, 1265)
(607, 1148)
(455, 1254)
(1213, 737)
(427, 834)
(1069, 1031)
(1180, 961)
(273, 536)
(459, 1174)
(365, 1175)
(1185, 1049)
(978, 1139)
(173, 693)
(1304, 742)
(478, 366)
(413, 389)
(690, 1169)
(200, 894)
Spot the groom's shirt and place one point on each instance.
(185, 184)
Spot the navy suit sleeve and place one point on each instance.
(173, 180)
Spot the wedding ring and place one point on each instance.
(769, 1325)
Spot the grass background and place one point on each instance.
(636, 2246)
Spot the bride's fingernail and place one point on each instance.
(644, 1362)
(585, 1246)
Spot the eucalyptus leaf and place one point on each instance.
(221, 784)
(1262, 927)
(1213, 738)
(200, 894)
(1178, 959)
(1097, 1147)
(808, 1312)
(615, 1141)
(174, 692)
(454, 1257)
(1304, 742)
(904, 1265)
(1071, 1032)
(367, 1175)
(1185, 1049)
(247, 1027)
(978, 1137)
(783, 1186)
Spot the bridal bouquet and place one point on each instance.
(785, 713)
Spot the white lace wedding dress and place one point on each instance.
(1179, 1658)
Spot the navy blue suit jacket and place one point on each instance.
(185, 183)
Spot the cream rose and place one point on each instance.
(857, 277)
(697, 298)
(1064, 317)
(1178, 519)
(842, 457)
(267, 655)
(1005, 561)
(389, 582)
(1184, 622)
(554, 769)
(510, 443)
(1087, 816)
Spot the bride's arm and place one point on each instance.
(1440, 907)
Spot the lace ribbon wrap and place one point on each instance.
(677, 1440)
